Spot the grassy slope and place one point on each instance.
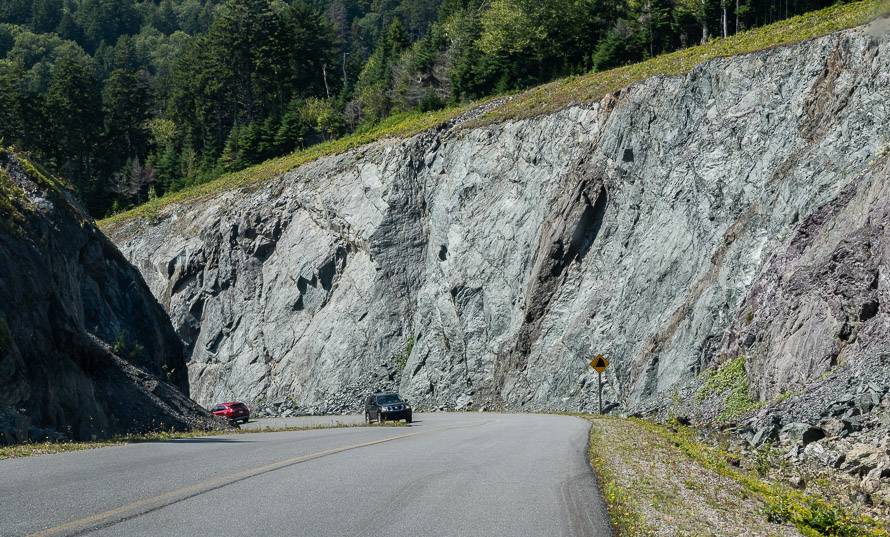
(543, 99)
(397, 126)
(660, 480)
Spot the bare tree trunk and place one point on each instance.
(736, 16)
(725, 22)
(704, 21)
(651, 31)
(324, 75)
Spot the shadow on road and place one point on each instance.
(203, 440)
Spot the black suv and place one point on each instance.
(386, 406)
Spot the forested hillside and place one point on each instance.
(130, 99)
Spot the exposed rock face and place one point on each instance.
(738, 209)
(85, 349)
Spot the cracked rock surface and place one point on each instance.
(671, 225)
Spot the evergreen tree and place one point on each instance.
(46, 15)
(73, 113)
(7, 40)
(15, 11)
(68, 27)
(165, 19)
(103, 21)
(126, 102)
(10, 103)
(375, 82)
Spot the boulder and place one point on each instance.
(827, 456)
(797, 482)
(864, 458)
(835, 427)
(800, 434)
(768, 433)
(871, 483)
(864, 402)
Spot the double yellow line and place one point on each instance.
(153, 503)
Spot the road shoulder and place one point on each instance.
(661, 481)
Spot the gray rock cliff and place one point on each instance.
(85, 349)
(739, 209)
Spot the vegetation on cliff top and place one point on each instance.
(131, 99)
(561, 93)
(540, 100)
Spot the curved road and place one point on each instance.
(447, 475)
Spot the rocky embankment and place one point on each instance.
(85, 349)
(680, 223)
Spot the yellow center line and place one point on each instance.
(146, 505)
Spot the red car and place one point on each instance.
(234, 412)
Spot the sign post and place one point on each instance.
(599, 364)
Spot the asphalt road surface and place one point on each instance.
(447, 475)
(304, 421)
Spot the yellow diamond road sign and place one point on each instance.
(599, 363)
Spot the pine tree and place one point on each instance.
(10, 103)
(74, 117)
(46, 15)
(15, 11)
(127, 107)
(165, 18)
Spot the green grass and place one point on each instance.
(626, 519)
(812, 516)
(47, 448)
(729, 382)
(544, 99)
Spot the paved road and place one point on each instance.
(447, 475)
(304, 421)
